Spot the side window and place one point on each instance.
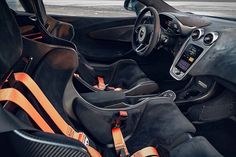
(92, 8)
(15, 5)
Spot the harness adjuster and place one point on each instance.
(121, 153)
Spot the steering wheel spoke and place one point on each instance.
(150, 37)
(141, 48)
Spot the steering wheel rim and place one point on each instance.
(145, 38)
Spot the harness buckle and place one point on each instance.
(120, 118)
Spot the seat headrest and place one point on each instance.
(10, 39)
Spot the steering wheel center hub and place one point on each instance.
(142, 34)
(146, 32)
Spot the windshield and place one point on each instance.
(221, 8)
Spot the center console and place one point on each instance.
(191, 52)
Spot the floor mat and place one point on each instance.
(221, 134)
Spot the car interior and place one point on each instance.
(159, 84)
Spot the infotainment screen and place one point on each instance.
(190, 55)
(183, 65)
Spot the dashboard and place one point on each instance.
(172, 26)
(192, 51)
(169, 24)
(207, 45)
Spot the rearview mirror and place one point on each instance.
(130, 5)
(134, 5)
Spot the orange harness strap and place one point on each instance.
(14, 96)
(65, 128)
(101, 83)
(93, 152)
(119, 142)
(120, 146)
(146, 152)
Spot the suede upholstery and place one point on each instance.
(158, 121)
(159, 118)
(195, 147)
(124, 74)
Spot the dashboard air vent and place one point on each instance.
(210, 38)
(197, 34)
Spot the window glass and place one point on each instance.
(221, 8)
(15, 5)
(93, 8)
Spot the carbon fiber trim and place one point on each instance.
(28, 146)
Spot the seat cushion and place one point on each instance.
(126, 74)
(195, 147)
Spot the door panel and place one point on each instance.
(122, 34)
(103, 39)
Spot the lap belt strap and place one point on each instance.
(117, 135)
(122, 150)
(119, 141)
(146, 152)
(102, 86)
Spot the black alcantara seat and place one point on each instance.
(153, 122)
(125, 74)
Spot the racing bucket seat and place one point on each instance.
(157, 122)
(122, 75)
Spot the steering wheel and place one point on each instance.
(146, 32)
